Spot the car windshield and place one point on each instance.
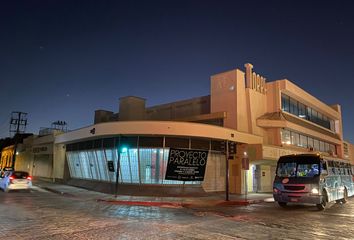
(293, 169)
(19, 175)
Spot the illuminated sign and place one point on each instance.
(186, 165)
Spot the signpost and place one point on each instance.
(110, 165)
(229, 149)
(122, 149)
(245, 167)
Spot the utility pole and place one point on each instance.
(18, 122)
(18, 125)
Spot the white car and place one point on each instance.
(14, 180)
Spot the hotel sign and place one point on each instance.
(186, 165)
(43, 149)
(276, 153)
(261, 152)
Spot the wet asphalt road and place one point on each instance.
(45, 215)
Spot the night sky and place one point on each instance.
(61, 60)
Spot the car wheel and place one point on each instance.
(345, 198)
(324, 202)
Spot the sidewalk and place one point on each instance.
(213, 200)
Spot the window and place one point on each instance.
(303, 141)
(302, 110)
(320, 119)
(331, 122)
(296, 108)
(313, 117)
(310, 142)
(309, 113)
(332, 148)
(285, 137)
(286, 169)
(326, 145)
(316, 145)
(307, 170)
(285, 101)
(295, 139)
(293, 107)
(200, 144)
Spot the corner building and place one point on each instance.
(264, 119)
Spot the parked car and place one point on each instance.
(14, 180)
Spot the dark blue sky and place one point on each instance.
(61, 60)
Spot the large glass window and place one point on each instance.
(139, 163)
(125, 168)
(296, 108)
(102, 165)
(71, 163)
(85, 166)
(301, 140)
(134, 165)
(93, 165)
(292, 169)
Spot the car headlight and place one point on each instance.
(314, 191)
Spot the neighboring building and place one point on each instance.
(37, 155)
(9, 147)
(7, 154)
(265, 119)
(348, 150)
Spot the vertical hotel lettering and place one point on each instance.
(255, 81)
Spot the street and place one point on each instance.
(41, 214)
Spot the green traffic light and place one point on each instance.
(123, 149)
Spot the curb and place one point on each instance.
(58, 192)
(142, 203)
(179, 204)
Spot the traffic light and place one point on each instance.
(123, 149)
(232, 148)
(223, 146)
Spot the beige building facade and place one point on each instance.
(289, 120)
(265, 119)
(286, 118)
